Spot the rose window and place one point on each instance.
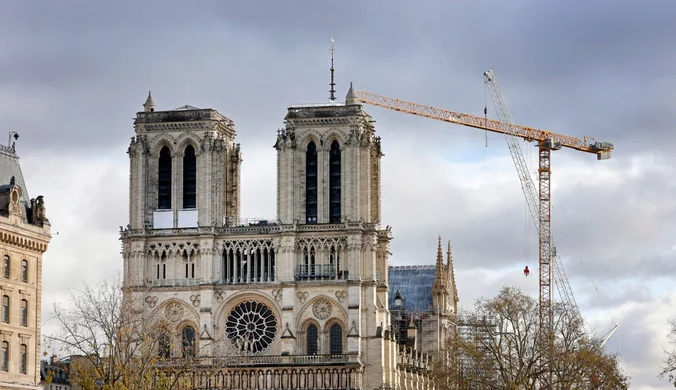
(251, 327)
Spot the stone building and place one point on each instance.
(298, 301)
(24, 236)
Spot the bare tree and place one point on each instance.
(112, 345)
(499, 345)
(669, 367)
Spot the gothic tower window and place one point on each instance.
(189, 178)
(164, 180)
(334, 183)
(188, 340)
(336, 339)
(311, 183)
(312, 336)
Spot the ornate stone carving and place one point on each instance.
(322, 309)
(39, 211)
(151, 301)
(14, 204)
(220, 296)
(341, 295)
(277, 294)
(303, 296)
(174, 311)
(195, 299)
(251, 327)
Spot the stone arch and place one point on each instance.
(160, 141)
(334, 135)
(179, 342)
(188, 312)
(306, 313)
(311, 135)
(302, 335)
(186, 139)
(231, 306)
(327, 333)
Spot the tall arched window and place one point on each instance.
(5, 308)
(5, 266)
(4, 364)
(334, 183)
(24, 271)
(164, 180)
(336, 339)
(188, 338)
(23, 359)
(312, 337)
(164, 344)
(189, 178)
(24, 312)
(311, 183)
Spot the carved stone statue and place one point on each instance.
(39, 213)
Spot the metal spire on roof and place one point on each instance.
(332, 91)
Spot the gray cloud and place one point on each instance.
(73, 75)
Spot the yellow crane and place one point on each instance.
(547, 141)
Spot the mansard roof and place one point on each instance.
(414, 283)
(10, 171)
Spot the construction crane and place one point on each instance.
(504, 114)
(558, 271)
(547, 142)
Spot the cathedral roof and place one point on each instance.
(414, 283)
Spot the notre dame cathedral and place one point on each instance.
(305, 301)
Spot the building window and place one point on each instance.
(311, 183)
(23, 359)
(24, 312)
(5, 266)
(5, 308)
(164, 344)
(5, 356)
(189, 178)
(250, 264)
(164, 180)
(334, 183)
(188, 339)
(336, 339)
(24, 271)
(312, 337)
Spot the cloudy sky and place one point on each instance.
(73, 75)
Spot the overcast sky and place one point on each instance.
(73, 75)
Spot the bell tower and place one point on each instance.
(184, 169)
(328, 165)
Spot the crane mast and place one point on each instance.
(558, 273)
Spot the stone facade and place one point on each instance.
(298, 301)
(24, 236)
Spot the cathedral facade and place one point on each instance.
(296, 302)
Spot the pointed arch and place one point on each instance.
(335, 183)
(189, 178)
(311, 183)
(312, 339)
(188, 343)
(164, 179)
(336, 339)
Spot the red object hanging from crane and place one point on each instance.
(526, 271)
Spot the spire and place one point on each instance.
(149, 105)
(440, 258)
(351, 97)
(332, 91)
(451, 273)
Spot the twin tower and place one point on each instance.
(313, 282)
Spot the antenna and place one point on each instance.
(332, 97)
